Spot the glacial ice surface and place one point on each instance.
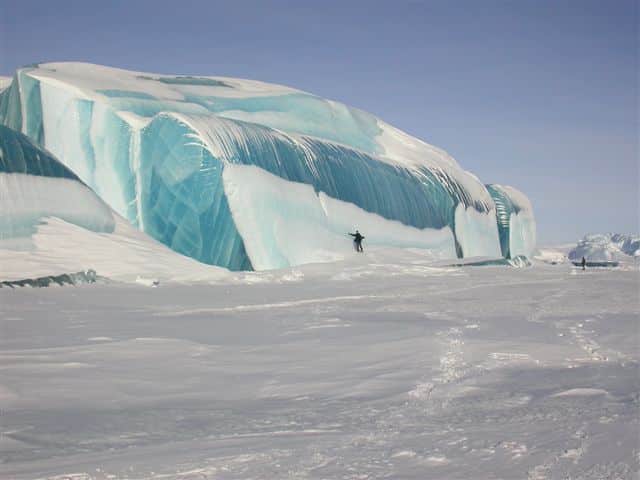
(155, 148)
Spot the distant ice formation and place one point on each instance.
(244, 174)
(607, 247)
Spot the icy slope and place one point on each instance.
(154, 147)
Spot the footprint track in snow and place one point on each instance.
(452, 366)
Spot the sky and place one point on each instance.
(541, 95)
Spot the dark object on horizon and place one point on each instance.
(583, 262)
(596, 264)
(78, 278)
(357, 240)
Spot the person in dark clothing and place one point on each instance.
(583, 263)
(357, 241)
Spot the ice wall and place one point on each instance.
(34, 185)
(155, 148)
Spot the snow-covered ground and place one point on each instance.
(381, 366)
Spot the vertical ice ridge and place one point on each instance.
(515, 221)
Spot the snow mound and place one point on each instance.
(552, 256)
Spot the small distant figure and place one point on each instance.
(583, 263)
(357, 241)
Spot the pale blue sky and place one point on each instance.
(542, 95)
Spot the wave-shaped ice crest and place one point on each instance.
(155, 147)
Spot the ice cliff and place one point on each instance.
(245, 174)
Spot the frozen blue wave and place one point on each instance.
(155, 147)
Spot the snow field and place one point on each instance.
(378, 366)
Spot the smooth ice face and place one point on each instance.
(477, 232)
(34, 185)
(155, 148)
(288, 223)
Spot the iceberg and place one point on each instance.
(248, 175)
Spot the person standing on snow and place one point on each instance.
(357, 241)
(583, 263)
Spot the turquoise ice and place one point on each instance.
(156, 147)
(34, 186)
(516, 223)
